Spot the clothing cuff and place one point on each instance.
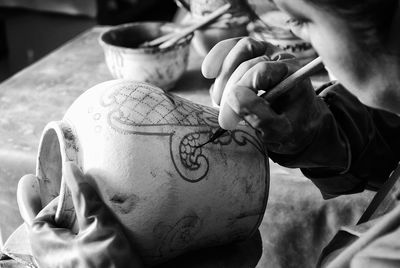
(327, 148)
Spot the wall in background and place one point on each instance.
(26, 36)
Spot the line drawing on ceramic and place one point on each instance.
(145, 110)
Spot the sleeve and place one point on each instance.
(354, 148)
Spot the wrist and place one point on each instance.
(322, 145)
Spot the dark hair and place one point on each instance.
(369, 20)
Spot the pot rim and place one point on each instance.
(61, 132)
(143, 50)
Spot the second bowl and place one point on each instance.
(126, 59)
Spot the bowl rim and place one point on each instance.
(144, 50)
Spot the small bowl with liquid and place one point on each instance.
(126, 58)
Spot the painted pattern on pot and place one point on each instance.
(138, 146)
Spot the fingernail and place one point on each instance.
(282, 56)
(266, 57)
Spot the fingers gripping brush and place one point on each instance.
(280, 89)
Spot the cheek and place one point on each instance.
(384, 100)
(340, 57)
(366, 96)
(349, 66)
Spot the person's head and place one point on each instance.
(358, 41)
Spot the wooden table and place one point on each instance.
(297, 222)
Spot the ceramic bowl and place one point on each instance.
(160, 67)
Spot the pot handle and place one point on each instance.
(57, 146)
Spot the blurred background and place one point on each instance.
(30, 29)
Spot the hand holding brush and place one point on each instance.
(289, 111)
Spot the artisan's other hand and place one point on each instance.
(100, 241)
(243, 67)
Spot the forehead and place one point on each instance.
(299, 8)
(291, 5)
(311, 11)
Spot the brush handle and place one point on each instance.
(210, 18)
(288, 83)
(280, 89)
(158, 40)
(171, 38)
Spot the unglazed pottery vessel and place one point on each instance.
(204, 7)
(280, 35)
(125, 59)
(233, 24)
(205, 39)
(137, 145)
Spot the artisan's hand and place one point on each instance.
(243, 67)
(100, 241)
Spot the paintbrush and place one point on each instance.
(172, 38)
(280, 89)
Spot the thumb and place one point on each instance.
(87, 203)
(28, 198)
(264, 75)
(213, 61)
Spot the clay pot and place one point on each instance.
(205, 39)
(280, 35)
(232, 24)
(160, 67)
(137, 145)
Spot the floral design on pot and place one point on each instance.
(137, 145)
